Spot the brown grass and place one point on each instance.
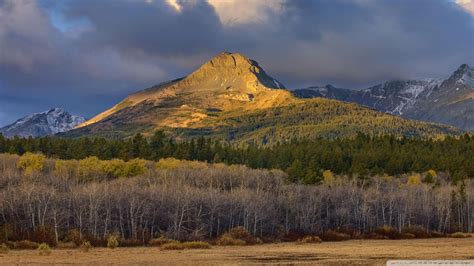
(362, 252)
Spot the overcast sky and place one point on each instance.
(86, 55)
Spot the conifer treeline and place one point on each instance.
(304, 161)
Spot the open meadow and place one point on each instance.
(371, 252)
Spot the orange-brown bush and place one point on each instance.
(131, 243)
(10, 244)
(74, 235)
(407, 236)
(418, 231)
(238, 236)
(331, 235)
(196, 245)
(388, 231)
(44, 234)
(460, 235)
(85, 246)
(113, 241)
(66, 245)
(437, 234)
(4, 249)
(309, 240)
(175, 245)
(160, 241)
(227, 240)
(44, 249)
(94, 241)
(26, 244)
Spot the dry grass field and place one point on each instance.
(363, 252)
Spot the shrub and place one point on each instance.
(242, 234)
(90, 168)
(4, 249)
(418, 231)
(44, 249)
(131, 243)
(331, 235)
(175, 245)
(26, 244)
(160, 241)
(328, 177)
(227, 240)
(44, 234)
(136, 167)
(407, 236)
(85, 246)
(31, 163)
(74, 236)
(437, 234)
(65, 168)
(196, 245)
(414, 180)
(290, 236)
(66, 245)
(95, 241)
(10, 244)
(112, 241)
(168, 163)
(388, 232)
(430, 176)
(309, 240)
(460, 235)
(373, 236)
(115, 168)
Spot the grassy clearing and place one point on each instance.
(373, 252)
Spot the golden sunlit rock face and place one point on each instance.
(227, 82)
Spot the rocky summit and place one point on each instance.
(229, 81)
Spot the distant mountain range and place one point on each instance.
(42, 124)
(231, 97)
(449, 101)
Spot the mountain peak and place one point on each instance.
(45, 123)
(227, 82)
(56, 110)
(464, 67)
(463, 75)
(228, 66)
(228, 59)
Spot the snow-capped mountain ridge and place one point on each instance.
(45, 123)
(448, 101)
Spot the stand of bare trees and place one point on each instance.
(201, 201)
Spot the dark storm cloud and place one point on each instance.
(104, 49)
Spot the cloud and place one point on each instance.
(468, 5)
(80, 49)
(233, 12)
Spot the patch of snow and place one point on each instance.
(467, 79)
(276, 83)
